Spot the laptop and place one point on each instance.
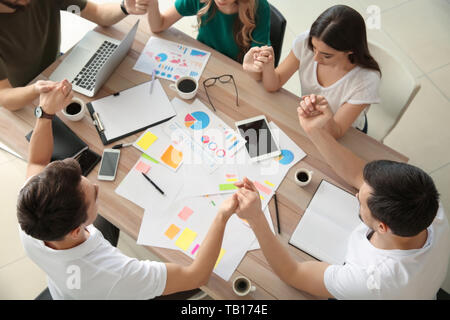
(92, 60)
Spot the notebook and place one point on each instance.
(327, 223)
(66, 144)
(130, 111)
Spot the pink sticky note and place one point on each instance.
(185, 213)
(262, 188)
(195, 249)
(142, 167)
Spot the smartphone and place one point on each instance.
(259, 140)
(108, 166)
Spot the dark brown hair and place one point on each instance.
(343, 29)
(52, 203)
(403, 196)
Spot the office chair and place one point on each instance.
(397, 90)
(277, 30)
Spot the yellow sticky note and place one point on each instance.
(185, 239)
(147, 140)
(222, 252)
(232, 180)
(269, 183)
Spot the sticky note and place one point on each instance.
(195, 249)
(185, 213)
(226, 187)
(146, 156)
(172, 231)
(172, 157)
(232, 180)
(147, 140)
(262, 188)
(185, 239)
(230, 175)
(142, 167)
(269, 183)
(222, 252)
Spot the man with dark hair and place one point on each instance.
(30, 38)
(56, 209)
(400, 251)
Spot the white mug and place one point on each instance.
(305, 179)
(242, 286)
(74, 116)
(182, 94)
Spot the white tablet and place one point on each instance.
(259, 140)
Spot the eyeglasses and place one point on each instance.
(226, 78)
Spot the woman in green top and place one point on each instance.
(229, 26)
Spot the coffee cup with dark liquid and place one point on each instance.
(242, 286)
(186, 87)
(75, 110)
(303, 177)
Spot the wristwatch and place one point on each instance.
(122, 6)
(40, 113)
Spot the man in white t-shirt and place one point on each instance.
(402, 247)
(56, 209)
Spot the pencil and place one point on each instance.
(276, 211)
(149, 180)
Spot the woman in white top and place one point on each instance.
(333, 61)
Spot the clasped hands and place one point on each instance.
(54, 96)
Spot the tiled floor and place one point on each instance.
(416, 31)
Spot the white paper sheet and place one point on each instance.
(171, 60)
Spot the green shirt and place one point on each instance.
(30, 39)
(218, 32)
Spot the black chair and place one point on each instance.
(442, 295)
(44, 295)
(277, 29)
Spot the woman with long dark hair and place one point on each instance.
(231, 27)
(333, 61)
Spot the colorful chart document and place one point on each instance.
(171, 60)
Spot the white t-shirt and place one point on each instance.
(359, 86)
(95, 270)
(372, 273)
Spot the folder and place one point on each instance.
(130, 111)
(66, 144)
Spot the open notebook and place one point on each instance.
(327, 223)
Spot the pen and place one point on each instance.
(153, 80)
(149, 180)
(122, 145)
(276, 211)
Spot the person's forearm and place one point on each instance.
(16, 98)
(278, 257)
(334, 129)
(109, 14)
(155, 19)
(343, 161)
(209, 249)
(41, 143)
(270, 79)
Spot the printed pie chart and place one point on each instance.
(198, 120)
(286, 157)
(161, 57)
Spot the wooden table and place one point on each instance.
(279, 107)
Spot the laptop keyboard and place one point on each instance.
(86, 77)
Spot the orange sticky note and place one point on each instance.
(147, 140)
(172, 157)
(172, 231)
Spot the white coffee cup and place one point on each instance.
(75, 110)
(184, 86)
(303, 177)
(242, 286)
